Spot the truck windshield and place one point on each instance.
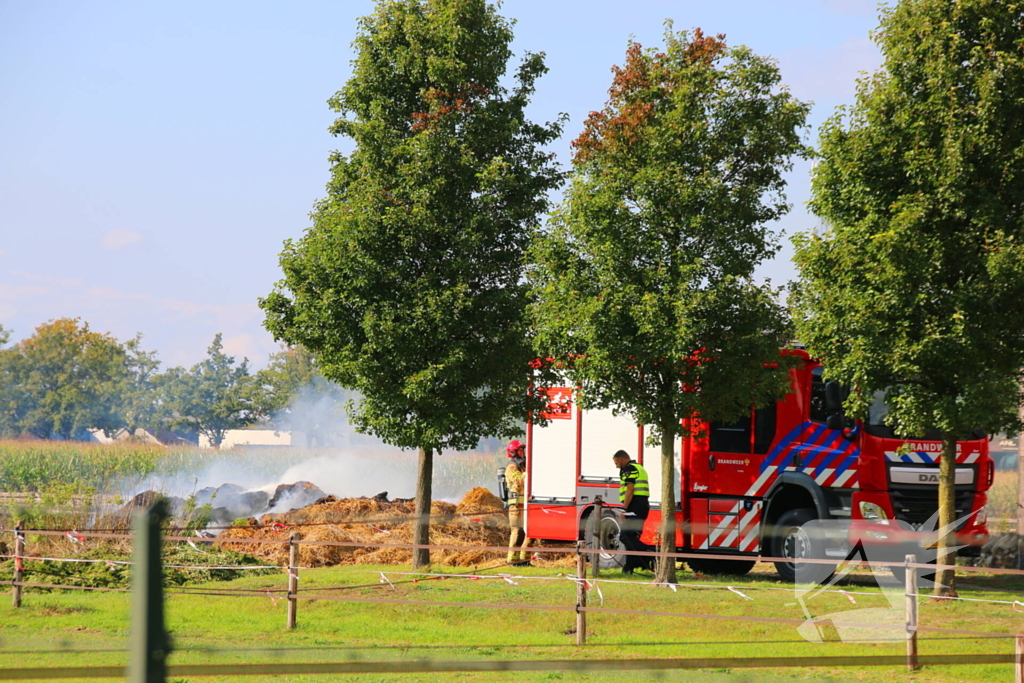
(879, 409)
(877, 422)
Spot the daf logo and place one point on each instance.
(928, 478)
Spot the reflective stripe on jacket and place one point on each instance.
(635, 474)
(515, 480)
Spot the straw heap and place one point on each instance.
(475, 521)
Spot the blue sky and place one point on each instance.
(154, 156)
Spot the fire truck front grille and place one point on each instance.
(916, 504)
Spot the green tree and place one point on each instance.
(215, 395)
(408, 287)
(9, 387)
(645, 277)
(287, 371)
(63, 380)
(139, 395)
(917, 284)
(294, 395)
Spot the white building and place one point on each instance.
(256, 437)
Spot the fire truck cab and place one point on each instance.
(747, 489)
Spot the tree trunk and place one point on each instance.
(667, 531)
(945, 578)
(1020, 475)
(421, 535)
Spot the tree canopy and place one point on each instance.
(213, 396)
(644, 277)
(142, 404)
(915, 284)
(409, 287)
(61, 381)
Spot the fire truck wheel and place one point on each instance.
(727, 567)
(606, 537)
(792, 541)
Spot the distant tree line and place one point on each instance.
(67, 379)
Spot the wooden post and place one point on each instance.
(581, 595)
(293, 578)
(19, 552)
(1018, 664)
(593, 531)
(911, 588)
(149, 642)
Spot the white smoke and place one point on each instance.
(342, 472)
(351, 477)
(337, 459)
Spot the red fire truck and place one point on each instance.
(747, 489)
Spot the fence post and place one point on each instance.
(19, 552)
(293, 578)
(150, 644)
(910, 575)
(1018, 664)
(581, 595)
(593, 529)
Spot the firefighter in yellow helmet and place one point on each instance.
(515, 480)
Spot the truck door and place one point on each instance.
(724, 468)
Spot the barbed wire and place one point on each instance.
(949, 634)
(299, 596)
(478, 576)
(553, 550)
(392, 519)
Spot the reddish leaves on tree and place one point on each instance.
(704, 49)
(440, 104)
(638, 88)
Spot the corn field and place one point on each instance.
(1002, 502)
(40, 465)
(124, 468)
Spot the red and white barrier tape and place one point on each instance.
(129, 562)
(675, 586)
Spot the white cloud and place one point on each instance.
(224, 316)
(119, 238)
(46, 280)
(179, 328)
(14, 293)
(247, 346)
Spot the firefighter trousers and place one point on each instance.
(518, 543)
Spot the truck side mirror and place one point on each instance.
(836, 422)
(833, 396)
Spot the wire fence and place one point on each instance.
(598, 666)
(587, 592)
(862, 562)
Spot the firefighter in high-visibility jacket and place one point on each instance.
(634, 495)
(515, 480)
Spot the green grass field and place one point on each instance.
(69, 628)
(57, 629)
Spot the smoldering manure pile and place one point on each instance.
(477, 520)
